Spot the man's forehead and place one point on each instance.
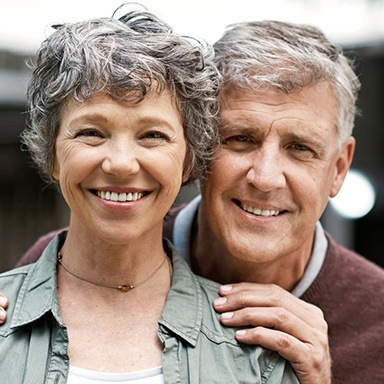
(300, 115)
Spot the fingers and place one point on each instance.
(3, 305)
(238, 296)
(311, 364)
(279, 321)
(274, 318)
(272, 307)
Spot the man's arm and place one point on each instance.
(3, 306)
(32, 255)
(294, 328)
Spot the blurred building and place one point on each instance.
(29, 209)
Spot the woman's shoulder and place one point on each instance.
(11, 284)
(14, 277)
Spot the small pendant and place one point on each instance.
(125, 288)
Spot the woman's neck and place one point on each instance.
(94, 258)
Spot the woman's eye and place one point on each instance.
(89, 133)
(89, 136)
(155, 137)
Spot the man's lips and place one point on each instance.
(258, 211)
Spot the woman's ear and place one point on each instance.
(186, 174)
(56, 171)
(188, 165)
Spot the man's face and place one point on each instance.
(278, 164)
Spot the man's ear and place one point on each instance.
(343, 163)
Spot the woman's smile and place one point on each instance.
(121, 197)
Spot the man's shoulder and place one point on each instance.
(353, 266)
(350, 291)
(348, 281)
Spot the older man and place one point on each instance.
(287, 112)
(286, 119)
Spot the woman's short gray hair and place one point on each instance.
(125, 58)
(287, 56)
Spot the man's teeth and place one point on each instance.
(259, 212)
(121, 197)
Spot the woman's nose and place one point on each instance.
(121, 160)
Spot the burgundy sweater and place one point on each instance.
(350, 291)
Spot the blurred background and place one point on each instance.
(29, 209)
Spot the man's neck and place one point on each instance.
(210, 259)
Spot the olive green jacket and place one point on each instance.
(197, 348)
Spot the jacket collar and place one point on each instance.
(183, 311)
(38, 294)
(181, 315)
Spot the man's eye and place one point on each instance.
(237, 142)
(302, 151)
(300, 147)
(237, 139)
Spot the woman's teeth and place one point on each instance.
(120, 197)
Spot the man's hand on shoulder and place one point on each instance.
(282, 322)
(3, 306)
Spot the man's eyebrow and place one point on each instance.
(228, 128)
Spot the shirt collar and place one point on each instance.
(315, 263)
(183, 311)
(38, 294)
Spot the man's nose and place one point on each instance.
(266, 172)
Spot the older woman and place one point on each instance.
(121, 114)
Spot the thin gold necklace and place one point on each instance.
(120, 287)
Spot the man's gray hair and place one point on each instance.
(289, 57)
(125, 58)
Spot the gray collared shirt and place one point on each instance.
(182, 237)
(197, 348)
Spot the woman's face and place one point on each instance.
(120, 166)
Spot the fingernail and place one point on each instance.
(227, 315)
(241, 332)
(220, 301)
(226, 288)
(3, 301)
